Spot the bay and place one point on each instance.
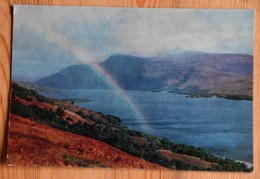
(224, 127)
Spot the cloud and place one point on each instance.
(35, 57)
(75, 34)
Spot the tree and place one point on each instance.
(59, 112)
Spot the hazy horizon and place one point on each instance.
(47, 39)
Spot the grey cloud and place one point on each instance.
(53, 34)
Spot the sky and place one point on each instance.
(49, 38)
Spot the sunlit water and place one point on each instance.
(221, 126)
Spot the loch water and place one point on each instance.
(224, 127)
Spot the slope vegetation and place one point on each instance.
(31, 143)
(80, 137)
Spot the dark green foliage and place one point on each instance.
(113, 120)
(82, 114)
(109, 129)
(136, 133)
(238, 97)
(69, 119)
(76, 161)
(21, 92)
(120, 139)
(226, 96)
(28, 94)
(231, 165)
(60, 112)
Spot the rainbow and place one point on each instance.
(85, 57)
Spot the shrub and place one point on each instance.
(60, 112)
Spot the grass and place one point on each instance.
(79, 162)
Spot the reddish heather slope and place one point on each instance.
(187, 159)
(31, 143)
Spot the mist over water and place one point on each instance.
(221, 126)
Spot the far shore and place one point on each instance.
(79, 100)
(225, 96)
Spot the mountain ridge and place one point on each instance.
(185, 72)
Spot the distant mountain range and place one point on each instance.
(184, 72)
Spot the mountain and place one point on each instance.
(75, 77)
(129, 72)
(45, 131)
(183, 71)
(36, 88)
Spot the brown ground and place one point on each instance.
(186, 159)
(31, 143)
(70, 112)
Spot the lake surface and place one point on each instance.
(221, 126)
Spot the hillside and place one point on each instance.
(36, 88)
(183, 72)
(32, 143)
(75, 77)
(71, 134)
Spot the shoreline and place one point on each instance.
(237, 97)
(248, 164)
(224, 96)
